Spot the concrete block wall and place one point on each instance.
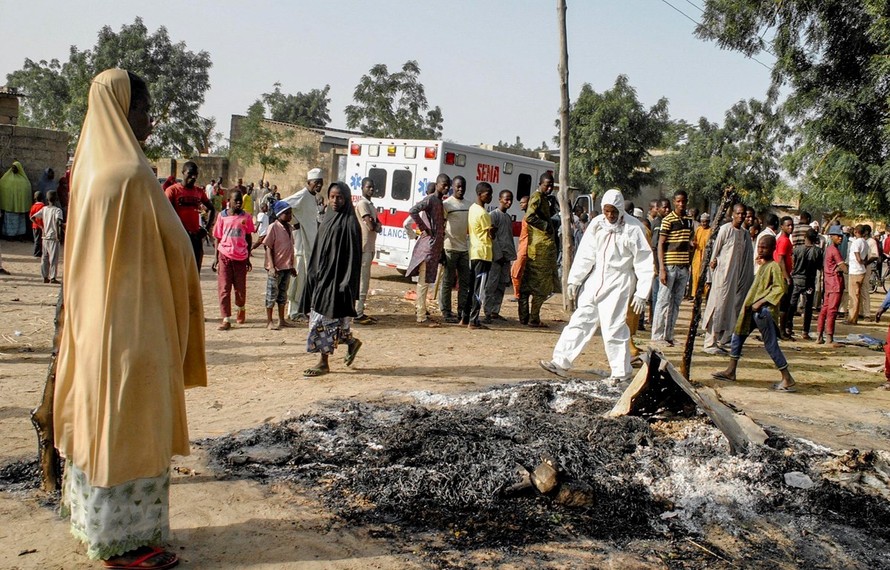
(36, 149)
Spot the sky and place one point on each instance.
(491, 65)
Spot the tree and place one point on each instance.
(743, 153)
(831, 58)
(46, 109)
(610, 135)
(306, 109)
(393, 105)
(519, 145)
(512, 146)
(177, 79)
(255, 143)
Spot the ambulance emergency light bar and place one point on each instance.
(429, 153)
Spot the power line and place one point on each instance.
(696, 6)
(697, 23)
(685, 15)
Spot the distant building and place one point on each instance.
(322, 147)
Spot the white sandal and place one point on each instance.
(552, 368)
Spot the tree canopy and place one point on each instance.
(256, 143)
(832, 58)
(393, 105)
(306, 109)
(177, 79)
(519, 145)
(744, 153)
(610, 136)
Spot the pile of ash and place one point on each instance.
(448, 465)
(20, 475)
(450, 468)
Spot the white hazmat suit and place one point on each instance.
(613, 263)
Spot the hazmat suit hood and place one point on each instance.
(612, 197)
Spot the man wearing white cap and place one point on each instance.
(305, 224)
(613, 253)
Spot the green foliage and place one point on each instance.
(518, 145)
(47, 108)
(258, 144)
(393, 105)
(610, 135)
(177, 79)
(743, 153)
(832, 58)
(513, 146)
(306, 109)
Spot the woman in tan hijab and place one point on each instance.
(132, 338)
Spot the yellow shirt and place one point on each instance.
(480, 235)
(247, 204)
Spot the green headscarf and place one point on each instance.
(15, 190)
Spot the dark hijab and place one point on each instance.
(46, 185)
(335, 266)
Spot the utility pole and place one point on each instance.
(563, 196)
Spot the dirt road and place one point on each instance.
(255, 377)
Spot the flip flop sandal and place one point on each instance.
(314, 372)
(778, 388)
(721, 376)
(353, 350)
(553, 369)
(139, 563)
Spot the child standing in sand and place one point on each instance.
(279, 264)
(233, 232)
(761, 310)
(37, 224)
(53, 224)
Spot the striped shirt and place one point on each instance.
(677, 233)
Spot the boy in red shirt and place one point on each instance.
(783, 255)
(37, 225)
(232, 231)
(188, 199)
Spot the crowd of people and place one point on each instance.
(132, 337)
(22, 218)
(760, 273)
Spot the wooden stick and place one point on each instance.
(709, 551)
(42, 418)
(729, 197)
(565, 207)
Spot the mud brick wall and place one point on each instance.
(209, 168)
(36, 149)
(9, 109)
(314, 154)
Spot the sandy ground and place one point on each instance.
(255, 377)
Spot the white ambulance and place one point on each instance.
(401, 170)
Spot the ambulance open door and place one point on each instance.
(394, 195)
